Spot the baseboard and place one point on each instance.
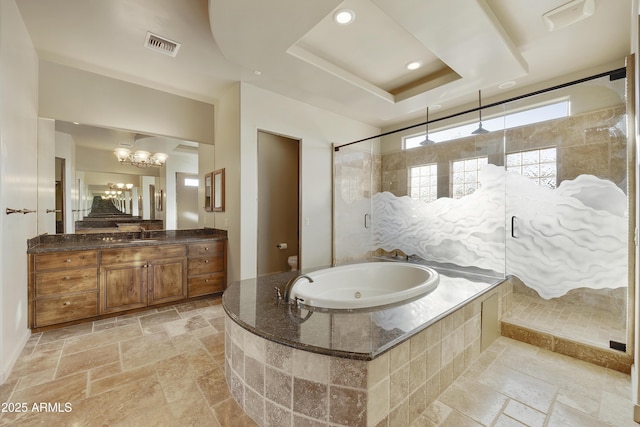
(6, 370)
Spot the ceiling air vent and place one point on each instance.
(161, 44)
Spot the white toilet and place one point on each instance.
(293, 262)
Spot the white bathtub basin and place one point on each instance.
(365, 285)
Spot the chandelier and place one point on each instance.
(141, 158)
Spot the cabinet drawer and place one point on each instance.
(206, 249)
(66, 260)
(205, 265)
(206, 284)
(142, 253)
(64, 282)
(66, 308)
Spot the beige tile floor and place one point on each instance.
(588, 324)
(165, 367)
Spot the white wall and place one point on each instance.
(46, 176)
(317, 129)
(18, 182)
(635, 374)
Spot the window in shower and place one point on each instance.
(537, 165)
(464, 175)
(423, 182)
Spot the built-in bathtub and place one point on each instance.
(364, 285)
(383, 366)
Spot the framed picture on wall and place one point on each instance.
(217, 193)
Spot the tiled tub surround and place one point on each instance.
(346, 369)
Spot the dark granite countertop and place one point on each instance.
(356, 334)
(77, 242)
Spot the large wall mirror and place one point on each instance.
(94, 169)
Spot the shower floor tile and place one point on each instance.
(587, 324)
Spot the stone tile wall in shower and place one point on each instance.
(591, 143)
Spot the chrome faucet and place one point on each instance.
(291, 283)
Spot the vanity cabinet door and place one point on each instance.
(123, 286)
(167, 280)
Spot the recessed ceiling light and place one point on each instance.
(413, 65)
(507, 85)
(344, 16)
(76, 123)
(257, 72)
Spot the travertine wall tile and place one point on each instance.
(310, 398)
(311, 366)
(254, 374)
(352, 373)
(378, 402)
(279, 356)
(278, 387)
(347, 406)
(399, 355)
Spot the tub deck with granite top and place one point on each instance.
(343, 367)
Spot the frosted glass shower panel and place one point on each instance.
(566, 193)
(356, 178)
(444, 201)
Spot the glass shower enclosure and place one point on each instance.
(543, 196)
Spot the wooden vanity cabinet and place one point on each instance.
(64, 287)
(137, 277)
(70, 286)
(207, 270)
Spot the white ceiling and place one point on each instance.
(355, 70)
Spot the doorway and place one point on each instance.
(187, 200)
(59, 189)
(278, 203)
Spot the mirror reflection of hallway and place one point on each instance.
(278, 203)
(59, 190)
(187, 200)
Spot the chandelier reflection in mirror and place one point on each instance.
(141, 158)
(115, 190)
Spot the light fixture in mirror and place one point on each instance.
(120, 186)
(141, 158)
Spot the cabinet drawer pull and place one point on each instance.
(67, 303)
(206, 248)
(206, 261)
(67, 278)
(206, 280)
(68, 260)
